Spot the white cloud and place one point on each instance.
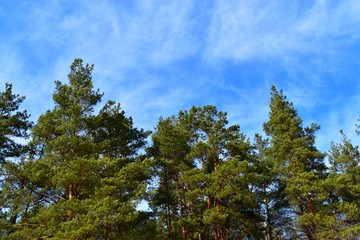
(309, 40)
(136, 46)
(306, 38)
(331, 19)
(9, 64)
(246, 30)
(343, 116)
(125, 44)
(122, 41)
(148, 31)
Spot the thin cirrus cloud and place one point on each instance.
(309, 42)
(126, 43)
(157, 57)
(145, 33)
(305, 38)
(245, 30)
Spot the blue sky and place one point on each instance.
(159, 57)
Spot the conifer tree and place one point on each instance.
(170, 148)
(14, 124)
(210, 169)
(270, 191)
(223, 179)
(84, 168)
(124, 177)
(298, 163)
(82, 175)
(344, 184)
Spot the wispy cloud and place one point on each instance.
(241, 30)
(311, 42)
(342, 115)
(157, 57)
(125, 41)
(246, 30)
(145, 33)
(307, 39)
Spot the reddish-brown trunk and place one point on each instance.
(309, 204)
(71, 195)
(181, 207)
(208, 201)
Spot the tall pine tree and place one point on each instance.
(205, 188)
(84, 168)
(270, 191)
(344, 184)
(298, 163)
(14, 125)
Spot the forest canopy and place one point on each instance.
(80, 174)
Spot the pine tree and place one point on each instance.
(298, 163)
(170, 148)
(225, 161)
(344, 184)
(270, 191)
(124, 177)
(210, 169)
(84, 169)
(14, 124)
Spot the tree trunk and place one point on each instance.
(181, 207)
(268, 219)
(71, 195)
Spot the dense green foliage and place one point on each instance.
(85, 174)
